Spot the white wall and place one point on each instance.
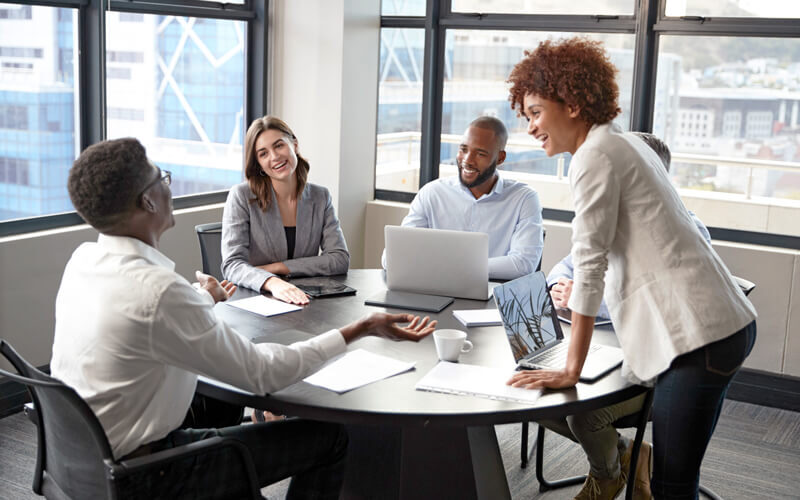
(775, 271)
(325, 69)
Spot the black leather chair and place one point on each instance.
(210, 236)
(74, 459)
(638, 420)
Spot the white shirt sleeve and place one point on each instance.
(596, 196)
(186, 333)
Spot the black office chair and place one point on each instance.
(210, 236)
(638, 420)
(74, 459)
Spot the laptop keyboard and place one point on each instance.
(555, 357)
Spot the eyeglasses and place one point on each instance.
(164, 176)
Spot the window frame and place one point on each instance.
(92, 77)
(647, 23)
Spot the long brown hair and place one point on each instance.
(261, 184)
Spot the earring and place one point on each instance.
(261, 173)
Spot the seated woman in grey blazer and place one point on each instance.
(275, 223)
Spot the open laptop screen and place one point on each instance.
(527, 311)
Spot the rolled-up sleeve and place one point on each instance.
(186, 333)
(527, 242)
(236, 265)
(561, 270)
(334, 257)
(595, 194)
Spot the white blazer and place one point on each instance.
(668, 292)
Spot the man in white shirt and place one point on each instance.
(132, 336)
(480, 200)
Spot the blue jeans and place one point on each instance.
(686, 405)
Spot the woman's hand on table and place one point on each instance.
(539, 379)
(387, 326)
(285, 291)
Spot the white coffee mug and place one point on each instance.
(450, 344)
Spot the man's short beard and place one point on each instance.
(483, 177)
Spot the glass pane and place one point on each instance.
(177, 85)
(403, 7)
(399, 109)
(575, 7)
(726, 8)
(477, 64)
(38, 106)
(731, 116)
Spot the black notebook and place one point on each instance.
(408, 300)
(322, 286)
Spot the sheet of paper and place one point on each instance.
(478, 317)
(473, 380)
(357, 368)
(264, 306)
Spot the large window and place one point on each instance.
(731, 115)
(399, 109)
(38, 103)
(718, 80)
(477, 63)
(183, 97)
(174, 75)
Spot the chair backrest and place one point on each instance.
(72, 443)
(746, 286)
(210, 236)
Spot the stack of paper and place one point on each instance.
(262, 305)
(478, 317)
(473, 380)
(357, 368)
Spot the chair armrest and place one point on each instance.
(124, 468)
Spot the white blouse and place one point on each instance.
(668, 292)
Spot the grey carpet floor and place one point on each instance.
(754, 454)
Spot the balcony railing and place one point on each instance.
(410, 158)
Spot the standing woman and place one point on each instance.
(683, 323)
(276, 223)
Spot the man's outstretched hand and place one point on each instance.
(219, 291)
(388, 326)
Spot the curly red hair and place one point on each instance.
(575, 71)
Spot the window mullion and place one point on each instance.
(91, 71)
(645, 67)
(432, 90)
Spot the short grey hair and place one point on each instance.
(657, 145)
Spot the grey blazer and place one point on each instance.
(251, 237)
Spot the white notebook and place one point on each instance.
(474, 380)
(478, 317)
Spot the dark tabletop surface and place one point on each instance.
(395, 397)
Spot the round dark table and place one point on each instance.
(406, 443)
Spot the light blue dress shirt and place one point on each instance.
(565, 269)
(510, 214)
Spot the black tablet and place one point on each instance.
(322, 286)
(565, 315)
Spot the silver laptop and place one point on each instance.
(534, 332)
(437, 262)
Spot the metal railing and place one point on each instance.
(516, 143)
